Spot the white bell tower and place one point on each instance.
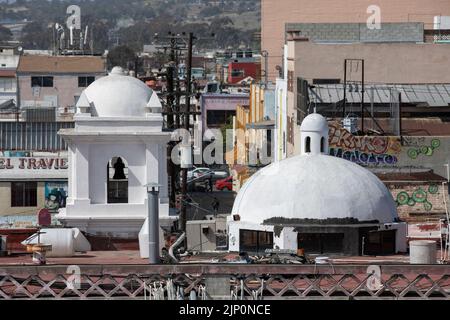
(314, 135)
(116, 148)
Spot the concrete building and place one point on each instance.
(9, 60)
(274, 20)
(238, 71)
(29, 183)
(315, 202)
(56, 81)
(253, 131)
(218, 109)
(116, 148)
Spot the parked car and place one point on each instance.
(226, 183)
(201, 173)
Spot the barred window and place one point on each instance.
(23, 194)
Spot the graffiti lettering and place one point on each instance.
(363, 157)
(363, 150)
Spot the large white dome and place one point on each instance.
(117, 95)
(314, 186)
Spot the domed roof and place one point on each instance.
(315, 123)
(314, 187)
(117, 95)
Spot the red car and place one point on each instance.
(226, 183)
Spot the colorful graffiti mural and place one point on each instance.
(55, 196)
(418, 197)
(428, 151)
(370, 150)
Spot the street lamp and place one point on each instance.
(153, 222)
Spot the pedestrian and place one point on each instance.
(215, 205)
(210, 184)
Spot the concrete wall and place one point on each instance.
(65, 88)
(201, 235)
(274, 16)
(402, 63)
(9, 60)
(5, 201)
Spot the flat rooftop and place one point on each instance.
(131, 257)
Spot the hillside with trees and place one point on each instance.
(134, 23)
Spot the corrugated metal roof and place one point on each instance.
(434, 95)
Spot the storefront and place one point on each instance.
(28, 184)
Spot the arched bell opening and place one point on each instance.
(117, 180)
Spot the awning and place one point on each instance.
(267, 124)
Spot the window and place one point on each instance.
(308, 145)
(322, 145)
(237, 73)
(42, 82)
(85, 81)
(117, 184)
(321, 242)
(326, 81)
(23, 194)
(269, 142)
(219, 117)
(255, 241)
(6, 84)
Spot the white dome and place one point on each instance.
(314, 187)
(117, 95)
(314, 123)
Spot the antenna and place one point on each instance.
(86, 35)
(71, 35)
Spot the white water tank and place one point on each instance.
(422, 252)
(61, 240)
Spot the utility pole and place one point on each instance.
(362, 88)
(362, 97)
(186, 127)
(345, 89)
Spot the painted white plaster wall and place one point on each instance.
(134, 155)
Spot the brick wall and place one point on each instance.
(419, 202)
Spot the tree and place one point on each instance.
(5, 33)
(36, 36)
(122, 56)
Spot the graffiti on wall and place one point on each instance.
(420, 197)
(421, 148)
(55, 196)
(369, 150)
